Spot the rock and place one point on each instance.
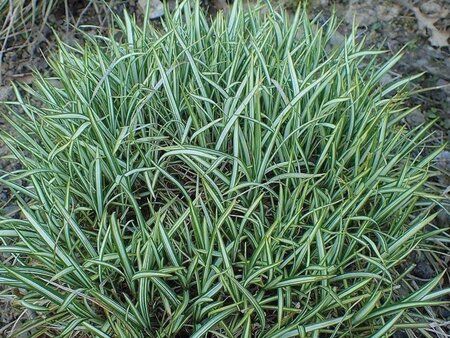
(69, 37)
(367, 13)
(431, 8)
(4, 198)
(443, 160)
(388, 12)
(416, 118)
(423, 270)
(386, 79)
(172, 4)
(362, 13)
(337, 39)
(443, 219)
(5, 93)
(445, 86)
(156, 8)
(400, 334)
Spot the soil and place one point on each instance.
(420, 28)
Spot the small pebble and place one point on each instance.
(443, 160)
(443, 219)
(156, 8)
(423, 270)
(431, 8)
(416, 118)
(400, 334)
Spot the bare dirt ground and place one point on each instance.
(420, 28)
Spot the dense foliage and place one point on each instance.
(238, 177)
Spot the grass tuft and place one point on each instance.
(228, 178)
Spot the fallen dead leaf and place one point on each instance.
(437, 38)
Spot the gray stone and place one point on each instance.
(416, 118)
(431, 8)
(156, 8)
(443, 160)
(5, 93)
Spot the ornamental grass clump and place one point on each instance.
(227, 178)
